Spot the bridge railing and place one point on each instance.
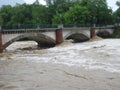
(86, 25)
(45, 26)
(76, 25)
(28, 26)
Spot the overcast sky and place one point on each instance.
(112, 4)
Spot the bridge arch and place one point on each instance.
(103, 34)
(41, 39)
(77, 36)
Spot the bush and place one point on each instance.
(116, 33)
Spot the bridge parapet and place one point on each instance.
(37, 26)
(45, 35)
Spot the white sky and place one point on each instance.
(31, 1)
(111, 3)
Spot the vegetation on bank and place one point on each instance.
(116, 33)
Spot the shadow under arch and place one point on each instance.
(103, 34)
(42, 40)
(77, 37)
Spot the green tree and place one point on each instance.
(59, 11)
(58, 19)
(99, 11)
(118, 3)
(117, 13)
(39, 14)
(77, 15)
(36, 2)
(6, 15)
(57, 8)
(22, 14)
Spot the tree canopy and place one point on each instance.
(60, 11)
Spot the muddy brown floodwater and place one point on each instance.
(93, 65)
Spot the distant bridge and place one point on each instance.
(49, 36)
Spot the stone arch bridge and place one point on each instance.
(48, 36)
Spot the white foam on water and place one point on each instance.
(103, 54)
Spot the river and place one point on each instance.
(92, 65)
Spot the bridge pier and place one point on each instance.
(92, 32)
(1, 49)
(59, 36)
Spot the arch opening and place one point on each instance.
(78, 37)
(103, 34)
(42, 40)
